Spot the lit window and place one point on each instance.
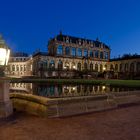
(96, 54)
(79, 52)
(73, 51)
(67, 51)
(85, 53)
(106, 55)
(101, 55)
(52, 64)
(59, 50)
(91, 53)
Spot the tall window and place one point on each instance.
(132, 67)
(60, 50)
(79, 52)
(85, 53)
(116, 67)
(106, 55)
(96, 53)
(101, 55)
(96, 67)
(126, 67)
(21, 68)
(52, 64)
(91, 67)
(67, 66)
(45, 65)
(17, 68)
(73, 51)
(67, 50)
(111, 67)
(138, 67)
(85, 66)
(13, 67)
(101, 67)
(91, 53)
(24, 68)
(79, 66)
(60, 65)
(121, 68)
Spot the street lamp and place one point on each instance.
(5, 103)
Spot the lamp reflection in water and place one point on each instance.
(5, 103)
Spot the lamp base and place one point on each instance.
(6, 109)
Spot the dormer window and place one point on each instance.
(67, 39)
(79, 41)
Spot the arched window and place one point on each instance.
(101, 67)
(132, 67)
(96, 67)
(24, 68)
(116, 67)
(79, 66)
(126, 67)
(111, 67)
(121, 68)
(91, 67)
(101, 55)
(13, 67)
(21, 68)
(138, 67)
(96, 53)
(91, 53)
(17, 68)
(67, 66)
(60, 50)
(73, 51)
(40, 64)
(85, 66)
(106, 55)
(79, 52)
(85, 53)
(67, 50)
(45, 65)
(60, 65)
(105, 67)
(73, 66)
(52, 64)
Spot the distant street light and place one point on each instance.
(104, 68)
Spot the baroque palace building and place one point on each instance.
(69, 56)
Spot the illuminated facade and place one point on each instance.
(125, 68)
(72, 57)
(68, 55)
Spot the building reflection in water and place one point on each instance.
(51, 90)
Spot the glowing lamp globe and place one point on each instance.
(4, 56)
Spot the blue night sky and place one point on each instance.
(27, 25)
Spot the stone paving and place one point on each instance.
(118, 124)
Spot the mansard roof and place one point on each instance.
(19, 54)
(75, 40)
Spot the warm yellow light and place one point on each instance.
(74, 67)
(104, 68)
(74, 88)
(7, 56)
(2, 56)
(103, 87)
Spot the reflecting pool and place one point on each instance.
(56, 91)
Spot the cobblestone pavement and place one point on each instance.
(118, 124)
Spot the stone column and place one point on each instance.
(6, 108)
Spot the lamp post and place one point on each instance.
(5, 103)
